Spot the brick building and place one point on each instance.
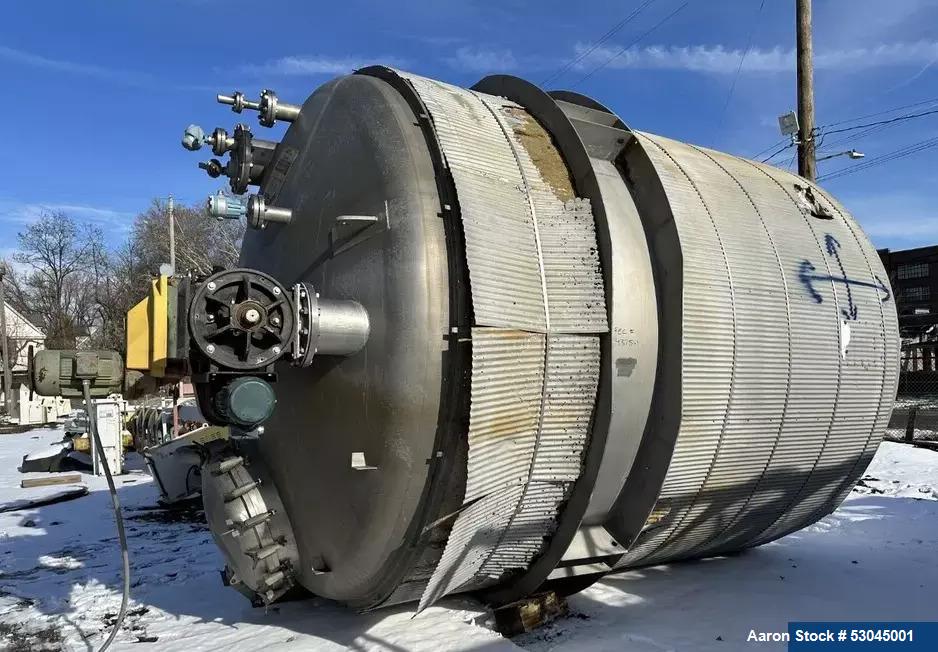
(913, 274)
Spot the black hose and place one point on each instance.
(125, 555)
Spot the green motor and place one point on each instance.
(60, 373)
(246, 401)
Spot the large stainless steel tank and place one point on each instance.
(591, 349)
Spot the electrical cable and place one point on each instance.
(770, 148)
(862, 134)
(886, 158)
(777, 152)
(630, 45)
(902, 152)
(900, 118)
(883, 112)
(602, 39)
(742, 59)
(875, 163)
(858, 136)
(821, 137)
(115, 502)
(848, 137)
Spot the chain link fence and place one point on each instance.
(915, 414)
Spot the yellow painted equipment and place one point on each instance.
(83, 445)
(151, 341)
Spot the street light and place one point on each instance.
(852, 153)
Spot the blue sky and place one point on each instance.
(97, 93)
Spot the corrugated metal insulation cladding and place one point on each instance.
(591, 348)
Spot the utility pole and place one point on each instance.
(172, 267)
(807, 166)
(172, 237)
(5, 347)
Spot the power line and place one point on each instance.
(879, 161)
(769, 148)
(853, 137)
(630, 45)
(821, 137)
(857, 136)
(602, 39)
(862, 134)
(902, 152)
(742, 59)
(909, 116)
(883, 112)
(770, 157)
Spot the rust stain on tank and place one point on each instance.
(544, 154)
(513, 413)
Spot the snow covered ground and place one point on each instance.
(874, 558)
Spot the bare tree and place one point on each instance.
(53, 283)
(16, 344)
(123, 275)
(111, 296)
(201, 242)
(122, 279)
(71, 283)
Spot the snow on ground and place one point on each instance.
(60, 580)
(59, 577)
(901, 470)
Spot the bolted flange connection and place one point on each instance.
(194, 137)
(237, 102)
(249, 156)
(326, 326)
(260, 214)
(269, 108)
(244, 511)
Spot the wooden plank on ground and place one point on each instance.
(71, 478)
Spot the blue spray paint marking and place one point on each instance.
(807, 275)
